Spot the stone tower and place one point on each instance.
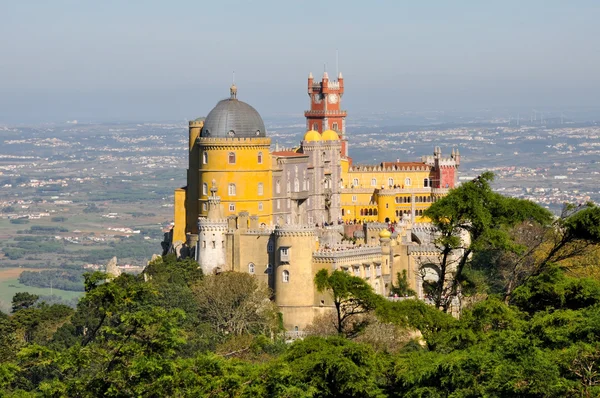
(210, 253)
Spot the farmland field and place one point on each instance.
(9, 285)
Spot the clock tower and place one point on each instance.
(325, 107)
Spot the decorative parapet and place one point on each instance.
(381, 168)
(424, 250)
(347, 257)
(431, 160)
(325, 113)
(294, 230)
(376, 226)
(247, 142)
(440, 191)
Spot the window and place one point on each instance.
(354, 199)
(231, 207)
(390, 182)
(355, 182)
(214, 244)
(277, 187)
(284, 254)
(356, 271)
(269, 269)
(260, 206)
(260, 158)
(204, 244)
(204, 206)
(251, 268)
(231, 157)
(204, 188)
(296, 185)
(407, 182)
(270, 247)
(315, 127)
(373, 182)
(334, 126)
(289, 186)
(426, 182)
(231, 189)
(286, 276)
(289, 203)
(260, 189)
(368, 271)
(204, 157)
(387, 206)
(277, 204)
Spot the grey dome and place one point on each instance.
(233, 118)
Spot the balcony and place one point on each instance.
(300, 195)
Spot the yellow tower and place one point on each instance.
(234, 152)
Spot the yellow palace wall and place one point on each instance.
(359, 191)
(246, 174)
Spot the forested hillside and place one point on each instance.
(529, 326)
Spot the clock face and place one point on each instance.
(317, 98)
(333, 98)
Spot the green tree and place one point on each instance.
(402, 287)
(235, 303)
(23, 300)
(473, 218)
(352, 296)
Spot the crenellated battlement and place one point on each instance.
(295, 230)
(194, 123)
(394, 167)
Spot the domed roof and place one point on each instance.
(385, 233)
(329, 135)
(232, 118)
(312, 135)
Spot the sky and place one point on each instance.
(146, 60)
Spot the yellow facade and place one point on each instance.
(241, 170)
(377, 193)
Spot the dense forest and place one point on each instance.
(66, 279)
(527, 285)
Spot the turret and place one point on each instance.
(293, 278)
(210, 251)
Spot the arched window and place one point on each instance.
(315, 127)
(334, 127)
(289, 186)
(286, 276)
(204, 157)
(296, 185)
(231, 189)
(277, 187)
(426, 182)
(251, 268)
(373, 182)
(204, 188)
(260, 189)
(270, 247)
(407, 182)
(305, 185)
(390, 182)
(355, 182)
(260, 208)
(260, 158)
(231, 157)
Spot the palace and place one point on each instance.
(283, 215)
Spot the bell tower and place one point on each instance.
(325, 107)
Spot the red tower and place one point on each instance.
(325, 107)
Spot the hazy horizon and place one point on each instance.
(151, 60)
